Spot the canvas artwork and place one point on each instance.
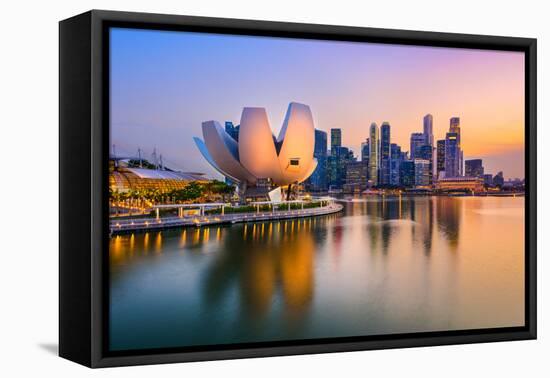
(272, 189)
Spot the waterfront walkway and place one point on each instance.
(144, 224)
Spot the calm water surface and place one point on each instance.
(378, 267)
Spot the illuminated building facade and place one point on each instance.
(417, 141)
(440, 157)
(356, 177)
(385, 131)
(407, 173)
(422, 173)
(373, 153)
(123, 179)
(460, 184)
(452, 155)
(335, 138)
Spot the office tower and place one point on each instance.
(365, 150)
(455, 127)
(498, 179)
(422, 173)
(396, 156)
(417, 141)
(425, 152)
(318, 179)
(335, 138)
(384, 178)
(339, 157)
(356, 176)
(461, 163)
(428, 129)
(474, 168)
(452, 155)
(440, 171)
(406, 173)
(373, 153)
(488, 179)
(232, 130)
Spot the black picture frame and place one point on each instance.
(83, 204)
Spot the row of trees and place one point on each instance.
(193, 192)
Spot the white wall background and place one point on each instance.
(29, 186)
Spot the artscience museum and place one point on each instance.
(259, 160)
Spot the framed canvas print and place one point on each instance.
(234, 188)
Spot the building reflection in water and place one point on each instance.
(266, 261)
(448, 219)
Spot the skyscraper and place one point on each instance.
(356, 174)
(488, 179)
(385, 130)
(440, 158)
(425, 152)
(453, 152)
(335, 138)
(406, 173)
(365, 150)
(428, 129)
(339, 157)
(452, 155)
(318, 179)
(373, 153)
(498, 179)
(417, 141)
(422, 173)
(232, 130)
(455, 127)
(396, 157)
(474, 168)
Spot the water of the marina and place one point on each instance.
(381, 266)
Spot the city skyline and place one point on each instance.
(397, 84)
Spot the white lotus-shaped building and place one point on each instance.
(285, 160)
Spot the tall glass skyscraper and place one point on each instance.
(232, 130)
(406, 173)
(453, 151)
(365, 151)
(452, 155)
(385, 131)
(428, 129)
(426, 153)
(422, 173)
(417, 141)
(396, 157)
(318, 179)
(335, 138)
(373, 153)
(440, 158)
(455, 128)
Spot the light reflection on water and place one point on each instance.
(381, 266)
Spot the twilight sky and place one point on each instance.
(164, 84)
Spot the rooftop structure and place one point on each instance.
(125, 178)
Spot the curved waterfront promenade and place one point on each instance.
(144, 224)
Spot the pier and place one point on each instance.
(278, 211)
